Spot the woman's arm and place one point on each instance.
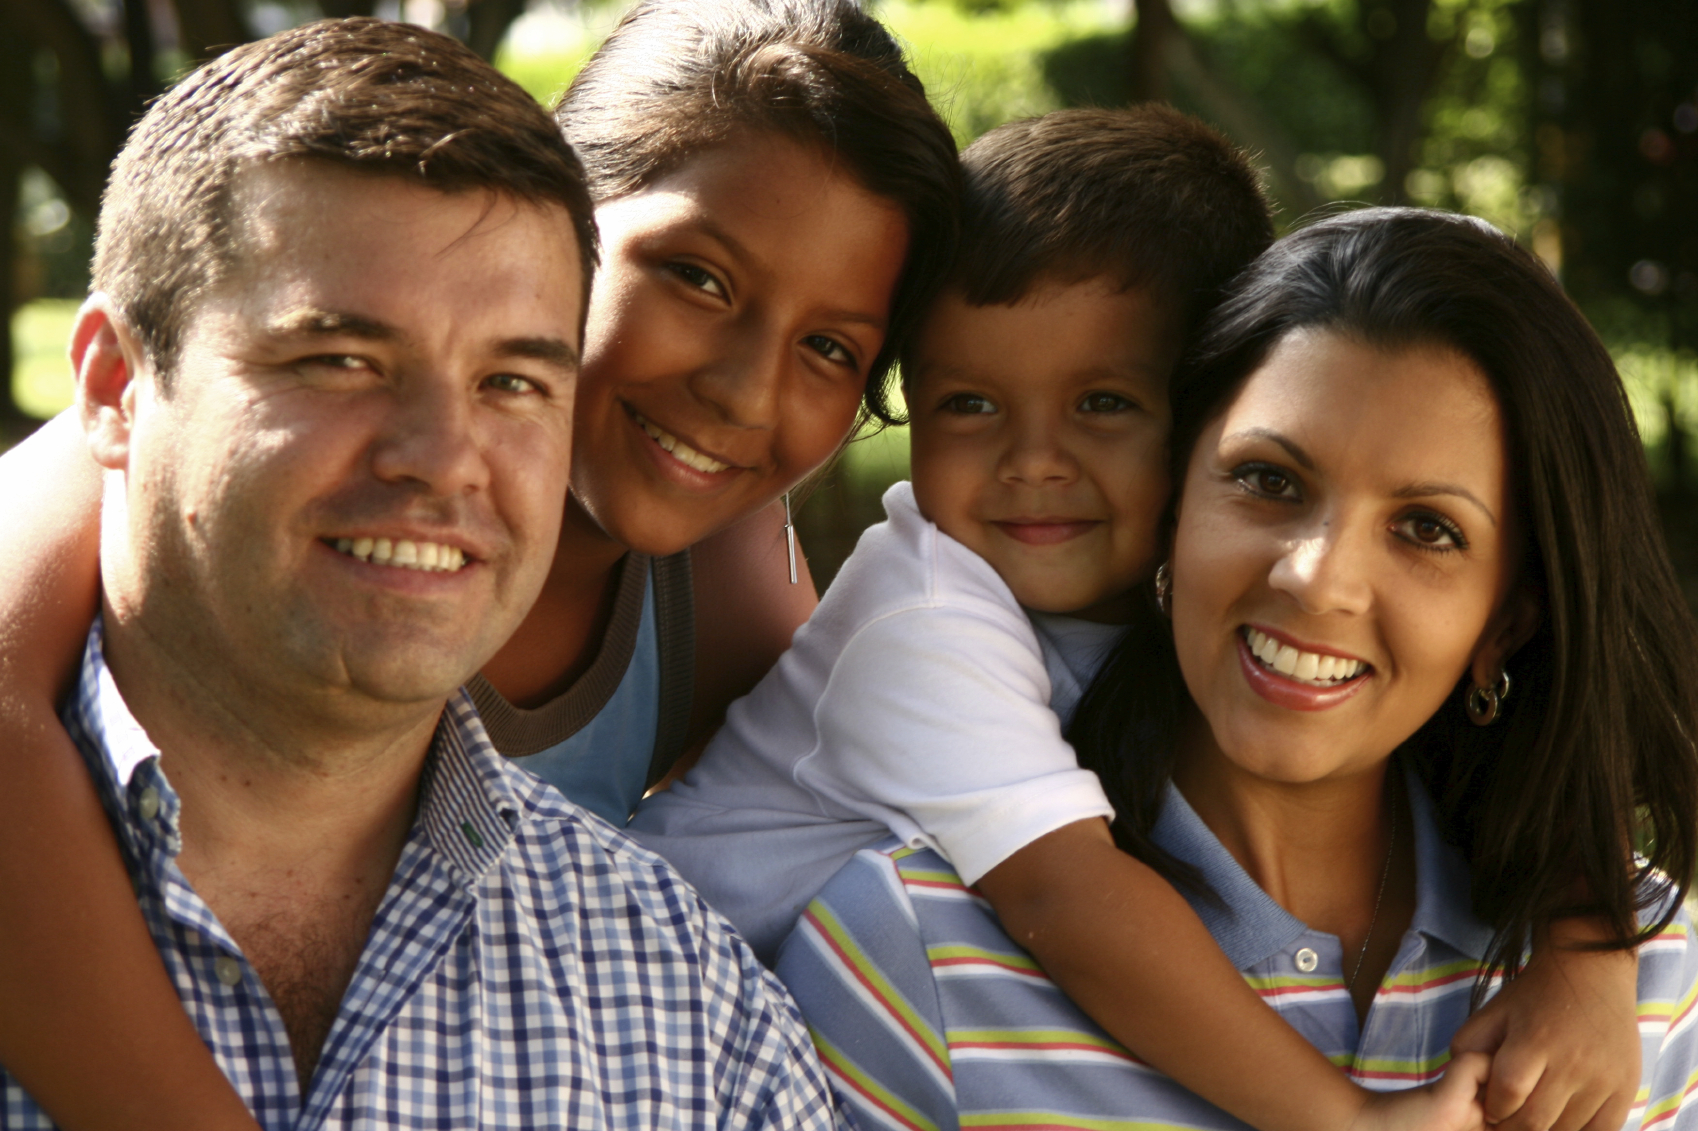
(89, 1023)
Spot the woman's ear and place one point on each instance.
(107, 359)
(1512, 626)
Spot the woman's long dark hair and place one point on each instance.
(1594, 756)
(677, 77)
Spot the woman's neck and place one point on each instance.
(559, 638)
(1331, 852)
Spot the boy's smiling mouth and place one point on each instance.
(1046, 531)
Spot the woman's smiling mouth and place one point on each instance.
(1294, 678)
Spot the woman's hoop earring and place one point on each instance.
(1483, 703)
(1164, 589)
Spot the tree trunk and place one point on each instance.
(487, 22)
(1148, 76)
(1404, 65)
(210, 27)
(16, 79)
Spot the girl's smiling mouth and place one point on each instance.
(1295, 678)
(696, 465)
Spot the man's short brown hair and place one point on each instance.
(363, 94)
(1145, 197)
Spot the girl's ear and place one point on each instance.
(1512, 626)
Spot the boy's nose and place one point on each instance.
(1035, 456)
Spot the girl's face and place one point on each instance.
(1345, 553)
(740, 304)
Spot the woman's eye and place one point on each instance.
(968, 404)
(1265, 480)
(1105, 402)
(1431, 532)
(829, 348)
(698, 277)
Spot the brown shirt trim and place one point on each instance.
(675, 621)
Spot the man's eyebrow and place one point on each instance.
(1291, 446)
(550, 351)
(1422, 490)
(312, 322)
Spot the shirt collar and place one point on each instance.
(468, 813)
(1251, 928)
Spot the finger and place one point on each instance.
(1483, 1032)
(1581, 1107)
(1542, 1107)
(1457, 1093)
(1612, 1114)
(1515, 1074)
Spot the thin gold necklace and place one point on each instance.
(1385, 873)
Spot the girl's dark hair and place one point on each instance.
(1594, 755)
(680, 76)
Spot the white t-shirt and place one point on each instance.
(916, 700)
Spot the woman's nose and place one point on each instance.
(1325, 568)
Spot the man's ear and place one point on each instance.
(107, 358)
(1512, 626)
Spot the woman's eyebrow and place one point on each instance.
(1424, 490)
(1292, 447)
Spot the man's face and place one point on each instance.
(388, 373)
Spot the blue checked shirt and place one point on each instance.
(529, 967)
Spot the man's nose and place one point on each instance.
(431, 438)
(1325, 568)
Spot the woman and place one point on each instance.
(776, 199)
(1427, 663)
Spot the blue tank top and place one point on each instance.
(604, 740)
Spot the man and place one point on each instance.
(329, 364)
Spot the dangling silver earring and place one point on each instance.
(1164, 589)
(790, 537)
(1484, 703)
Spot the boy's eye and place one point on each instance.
(968, 404)
(698, 277)
(1105, 402)
(829, 348)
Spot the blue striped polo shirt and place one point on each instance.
(928, 1016)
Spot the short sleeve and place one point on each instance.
(1668, 1027)
(936, 721)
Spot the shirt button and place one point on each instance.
(229, 971)
(148, 804)
(1307, 960)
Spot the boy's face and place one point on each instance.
(1040, 438)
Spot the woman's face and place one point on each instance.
(740, 304)
(1344, 553)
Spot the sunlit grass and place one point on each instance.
(41, 371)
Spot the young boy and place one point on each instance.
(928, 694)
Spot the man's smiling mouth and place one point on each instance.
(430, 557)
(677, 448)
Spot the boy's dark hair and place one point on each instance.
(363, 94)
(680, 76)
(1595, 754)
(1144, 197)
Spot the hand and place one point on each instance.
(1564, 1039)
(1450, 1103)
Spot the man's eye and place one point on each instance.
(512, 383)
(336, 361)
(968, 404)
(1105, 402)
(829, 348)
(698, 277)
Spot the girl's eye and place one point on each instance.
(968, 404)
(1267, 480)
(829, 348)
(698, 277)
(1105, 402)
(1429, 531)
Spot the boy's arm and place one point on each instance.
(84, 1000)
(1564, 1036)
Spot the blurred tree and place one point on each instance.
(1615, 128)
(74, 76)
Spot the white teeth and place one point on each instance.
(681, 451)
(432, 557)
(1309, 667)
